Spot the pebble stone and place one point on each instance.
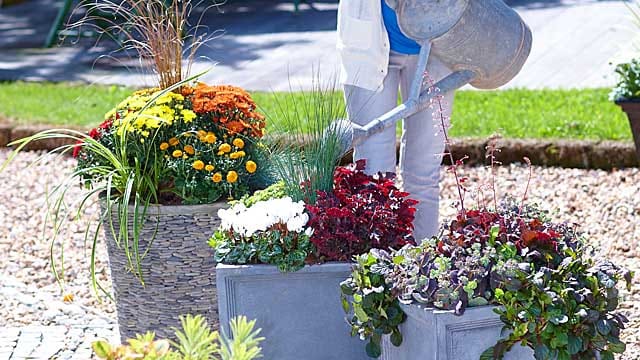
(605, 203)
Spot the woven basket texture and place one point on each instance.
(178, 269)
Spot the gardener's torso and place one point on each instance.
(367, 31)
(398, 41)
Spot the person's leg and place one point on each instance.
(421, 150)
(365, 105)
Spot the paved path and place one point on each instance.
(53, 329)
(266, 46)
(51, 342)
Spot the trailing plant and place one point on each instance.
(554, 297)
(361, 212)
(272, 231)
(195, 342)
(374, 309)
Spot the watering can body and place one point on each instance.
(486, 37)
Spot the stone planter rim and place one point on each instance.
(262, 268)
(416, 309)
(161, 209)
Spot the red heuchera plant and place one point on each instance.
(362, 212)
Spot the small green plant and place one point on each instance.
(628, 85)
(195, 342)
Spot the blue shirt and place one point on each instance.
(398, 41)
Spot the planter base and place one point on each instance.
(440, 335)
(300, 313)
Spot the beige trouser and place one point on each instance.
(422, 141)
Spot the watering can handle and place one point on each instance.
(451, 82)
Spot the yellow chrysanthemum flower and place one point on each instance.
(239, 143)
(201, 135)
(237, 154)
(187, 115)
(174, 141)
(209, 167)
(251, 166)
(176, 153)
(232, 176)
(189, 150)
(198, 165)
(224, 148)
(217, 177)
(210, 138)
(164, 146)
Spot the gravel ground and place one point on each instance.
(607, 205)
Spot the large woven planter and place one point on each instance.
(178, 271)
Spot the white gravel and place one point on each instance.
(606, 204)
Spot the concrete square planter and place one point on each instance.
(300, 313)
(431, 334)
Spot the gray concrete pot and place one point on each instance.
(178, 271)
(300, 313)
(430, 334)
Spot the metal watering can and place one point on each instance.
(484, 42)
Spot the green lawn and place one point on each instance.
(518, 113)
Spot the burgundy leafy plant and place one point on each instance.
(362, 212)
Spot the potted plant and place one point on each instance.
(626, 94)
(497, 275)
(549, 293)
(162, 163)
(283, 252)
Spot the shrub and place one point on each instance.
(362, 212)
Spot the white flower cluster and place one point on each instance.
(262, 215)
